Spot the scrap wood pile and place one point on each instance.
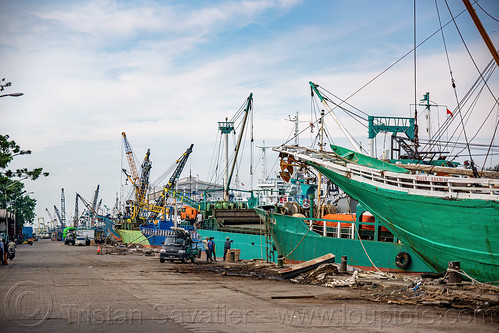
(426, 292)
(410, 290)
(327, 275)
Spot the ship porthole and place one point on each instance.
(403, 260)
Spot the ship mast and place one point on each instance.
(350, 138)
(482, 31)
(226, 127)
(319, 187)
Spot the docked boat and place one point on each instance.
(442, 218)
(228, 211)
(366, 243)
(155, 233)
(132, 236)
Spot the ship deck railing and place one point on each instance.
(349, 229)
(454, 182)
(446, 185)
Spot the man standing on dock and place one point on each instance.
(211, 249)
(226, 246)
(206, 248)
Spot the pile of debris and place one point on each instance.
(328, 275)
(465, 295)
(407, 289)
(124, 250)
(253, 269)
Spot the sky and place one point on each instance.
(165, 72)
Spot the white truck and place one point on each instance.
(87, 233)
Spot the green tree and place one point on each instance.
(12, 195)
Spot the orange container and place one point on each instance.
(366, 217)
(338, 217)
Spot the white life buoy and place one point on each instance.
(306, 203)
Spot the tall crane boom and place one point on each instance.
(63, 208)
(58, 215)
(94, 204)
(181, 161)
(98, 207)
(141, 189)
(178, 170)
(76, 217)
(94, 201)
(87, 204)
(50, 215)
(131, 158)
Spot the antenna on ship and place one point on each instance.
(264, 161)
(295, 120)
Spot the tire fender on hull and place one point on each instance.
(403, 260)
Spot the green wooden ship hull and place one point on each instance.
(133, 237)
(295, 241)
(441, 218)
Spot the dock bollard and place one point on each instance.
(279, 262)
(454, 276)
(343, 264)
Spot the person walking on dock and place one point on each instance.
(227, 246)
(211, 249)
(206, 248)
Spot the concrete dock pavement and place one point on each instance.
(50, 286)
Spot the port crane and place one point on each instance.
(58, 215)
(131, 159)
(63, 208)
(140, 183)
(52, 220)
(90, 207)
(94, 205)
(76, 217)
(181, 161)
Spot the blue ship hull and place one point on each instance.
(156, 233)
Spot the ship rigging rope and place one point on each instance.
(383, 71)
(460, 271)
(476, 66)
(401, 58)
(351, 113)
(293, 250)
(454, 86)
(365, 251)
(217, 151)
(492, 17)
(360, 240)
(489, 69)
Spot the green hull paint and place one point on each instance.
(132, 237)
(251, 246)
(292, 233)
(439, 230)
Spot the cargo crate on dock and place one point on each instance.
(234, 255)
